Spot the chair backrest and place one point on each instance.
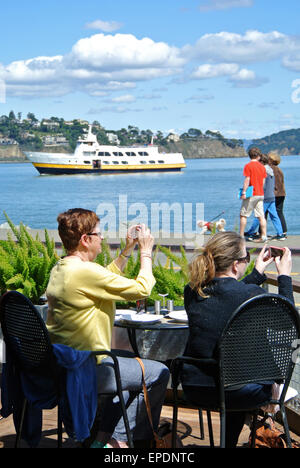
(25, 334)
(257, 343)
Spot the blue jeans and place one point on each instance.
(269, 207)
(110, 415)
(249, 396)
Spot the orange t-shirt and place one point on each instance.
(257, 173)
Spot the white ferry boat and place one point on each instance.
(91, 158)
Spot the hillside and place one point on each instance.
(194, 149)
(286, 142)
(55, 135)
(11, 153)
(204, 148)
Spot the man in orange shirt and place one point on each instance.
(255, 175)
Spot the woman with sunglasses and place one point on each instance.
(212, 295)
(81, 309)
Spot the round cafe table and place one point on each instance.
(154, 340)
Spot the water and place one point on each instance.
(36, 200)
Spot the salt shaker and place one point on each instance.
(170, 305)
(157, 307)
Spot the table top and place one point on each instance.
(163, 324)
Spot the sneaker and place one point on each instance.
(249, 238)
(261, 239)
(280, 238)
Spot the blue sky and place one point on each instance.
(169, 65)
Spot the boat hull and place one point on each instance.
(54, 170)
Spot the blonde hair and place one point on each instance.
(274, 158)
(215, 257)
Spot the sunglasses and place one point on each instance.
(245, 259)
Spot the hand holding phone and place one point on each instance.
(283, 260)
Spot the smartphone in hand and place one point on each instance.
(276, 251)
(133, 231)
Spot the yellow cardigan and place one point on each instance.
(81, 299)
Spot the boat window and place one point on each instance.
(87, 162)
(152, 162)
(116, 153)
(105, 162)
(124, 162)
(89, 153)
(161, 162)
(143, 153)
(130, 153)
(143, 162)
(115, 162)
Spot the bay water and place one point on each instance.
(212, 184)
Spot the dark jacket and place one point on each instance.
(279, 182)
(208, 317)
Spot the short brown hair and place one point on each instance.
(217, 255)
(274, 158)
(254, 152)
(72, 224)
(264, 159)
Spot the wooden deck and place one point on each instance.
(188, 430)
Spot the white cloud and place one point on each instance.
(247, 79)
(107, 52)
(104, 63)
(225, 4)
(253, 46)
(125, 98)
(239, 77)
(213, 71)
(95, 65)
(106, 26)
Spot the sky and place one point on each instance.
(223, 65)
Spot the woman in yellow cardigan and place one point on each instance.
(81, 298)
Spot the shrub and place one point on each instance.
(25, 264)
(168, 280)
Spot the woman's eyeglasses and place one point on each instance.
(245, 259)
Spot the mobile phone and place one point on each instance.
(276, 251)
(133, 231)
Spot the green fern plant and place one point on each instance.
(25, 264)
(169, 280)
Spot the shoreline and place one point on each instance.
(16, 161)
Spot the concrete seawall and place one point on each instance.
(190, 242)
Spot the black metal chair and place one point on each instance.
(27, 340)
(257, 344)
